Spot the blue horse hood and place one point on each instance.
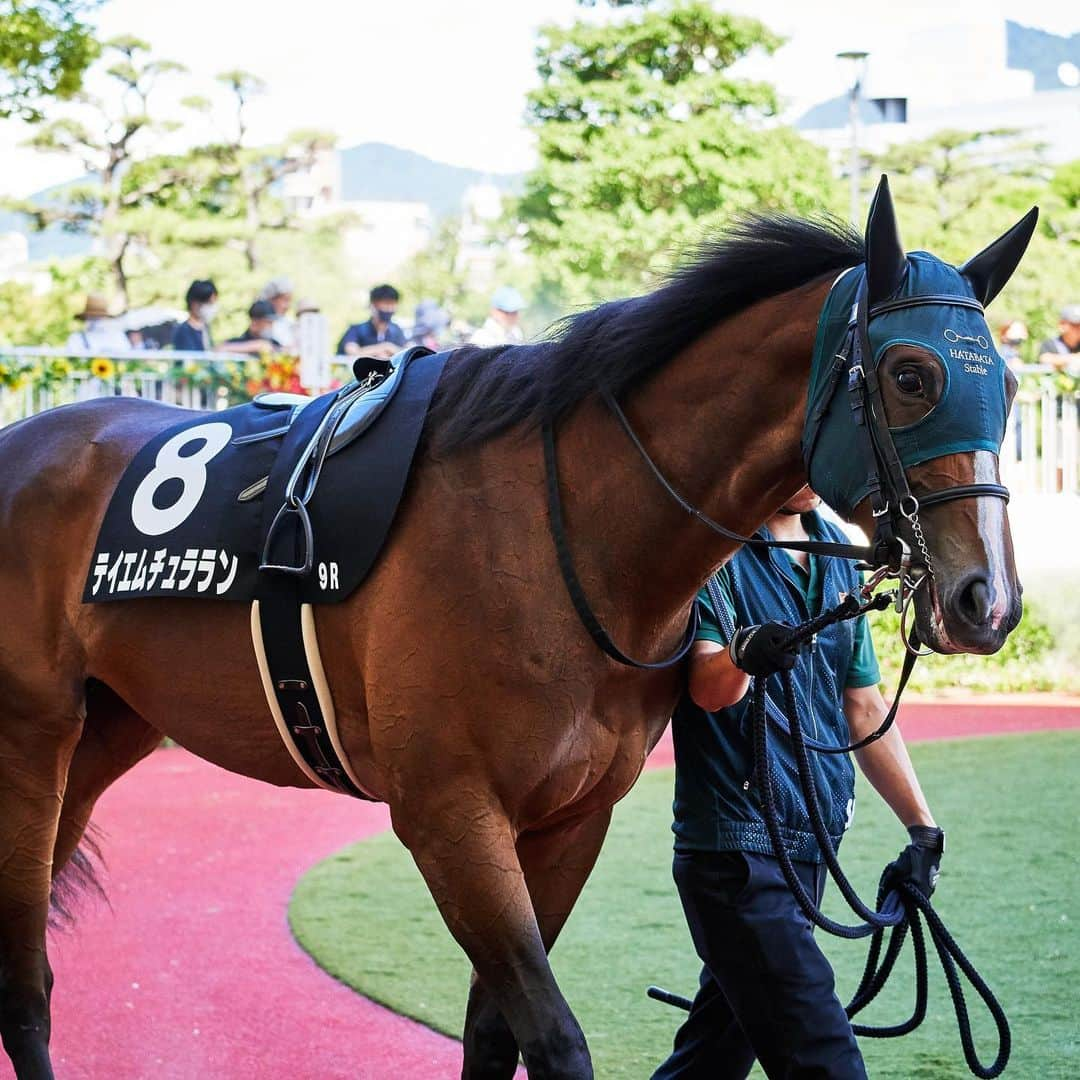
(971, 412)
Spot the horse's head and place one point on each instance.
(907, 409)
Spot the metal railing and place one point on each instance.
(33, 379)
(1041, 452)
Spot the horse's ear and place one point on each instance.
(994, 265)
(885, 258)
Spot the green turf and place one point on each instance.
(1008, 892)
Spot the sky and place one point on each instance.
(446, 79)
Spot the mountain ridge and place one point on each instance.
(369, 171)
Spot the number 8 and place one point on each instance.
(190, 471)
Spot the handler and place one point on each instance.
(766, 990)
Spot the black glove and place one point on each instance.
(919, 861)
(760, 650)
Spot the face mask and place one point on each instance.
(383, 316)
(970, 414)
(207, 312)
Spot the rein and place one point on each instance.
(892, 503)
(891, 498)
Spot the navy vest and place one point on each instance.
(717, 797)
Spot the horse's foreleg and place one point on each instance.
(556, 863)
(34, 753)
(466, 852)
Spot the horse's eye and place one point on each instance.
(909, 381)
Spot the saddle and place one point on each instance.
(360, 404)
(215, 506)
(261, 503)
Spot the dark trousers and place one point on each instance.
(766, 988)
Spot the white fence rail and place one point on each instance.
(1041, 452)
(195, 380)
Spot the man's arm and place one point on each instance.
(885, 762)
(715, 682)
(383, 350)
(252, 346)
(349, 344)
(1054, 354)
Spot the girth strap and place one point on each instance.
(283, 633)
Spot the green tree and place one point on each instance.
(1063, 218)
(956, 191)
(161, 219)
(106, 137)
(249, 177)
(30, 315)
(646, 140)
(960, 170)
(45, 47)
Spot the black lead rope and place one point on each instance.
(899, 911)
(848, 608)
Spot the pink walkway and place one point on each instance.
(193, 972)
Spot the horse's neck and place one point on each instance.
(723, 421)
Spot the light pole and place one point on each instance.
(858, 59)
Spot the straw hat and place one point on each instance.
(97, 307)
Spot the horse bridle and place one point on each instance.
(891, 499)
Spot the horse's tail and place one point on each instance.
(77, 878)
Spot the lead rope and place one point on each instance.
(899, 911)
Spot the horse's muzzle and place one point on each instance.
(975, 619)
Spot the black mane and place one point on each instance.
(486, 391)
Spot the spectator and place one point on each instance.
(100, 332)
(431, 322)
(1061, 351)
(279, 292)
(502, 324)
(380, 335)
(193, 335)
(1012, 338)
(259, 336)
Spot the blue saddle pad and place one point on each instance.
(177, 526)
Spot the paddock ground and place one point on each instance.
(191, 970)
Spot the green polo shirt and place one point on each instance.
(864, 666)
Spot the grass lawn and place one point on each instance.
(1008, 893)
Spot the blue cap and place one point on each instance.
(508, 299)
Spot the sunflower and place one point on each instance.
(102, 368)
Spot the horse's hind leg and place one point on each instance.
(556, 863)
(465, 850)
(114, 738)
(37, 738)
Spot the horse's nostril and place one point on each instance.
(974, 602)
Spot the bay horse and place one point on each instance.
(468, 695)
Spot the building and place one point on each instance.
(929, 74)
